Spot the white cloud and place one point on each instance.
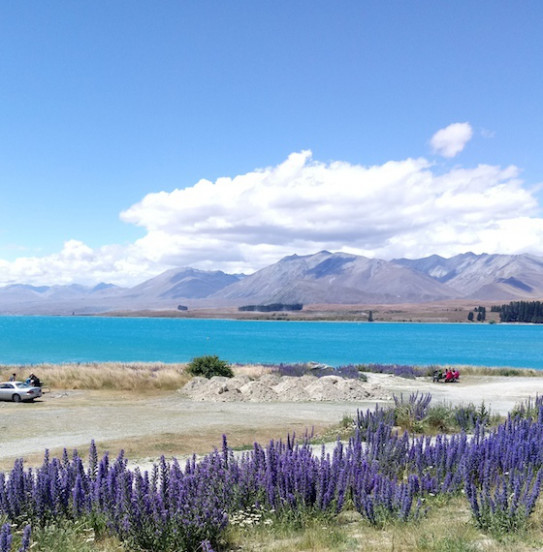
(78, 263)
(400, 208)
(396, 209)
(451, 140)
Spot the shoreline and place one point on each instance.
(143, 365)
(455, 310)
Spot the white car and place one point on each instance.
(18, 391)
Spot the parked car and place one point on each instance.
(18, 391)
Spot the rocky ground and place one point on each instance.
(272, 387)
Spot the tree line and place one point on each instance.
(481, 314)
(272, 307)
(521, 311)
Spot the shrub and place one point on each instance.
(528, 409)
(411, 412)
(209, 366)
(441, 418)
(503, 502)
(369, 422)
(468, 417)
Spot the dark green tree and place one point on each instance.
(209, 366)
(522, 311)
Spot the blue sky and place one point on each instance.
(110, 110)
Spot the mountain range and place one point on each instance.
(321, 278)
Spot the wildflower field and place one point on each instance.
(385, 477)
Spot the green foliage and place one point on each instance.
(440, 418)
(209, 366)
(347, 422)
(452, 544)
(481, 314)
(308, 531)
(443, 418)
(528, 409)
(467, 417)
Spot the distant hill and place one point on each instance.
(484, 277)
(334, 278)
(58, 299)
(183, 283)
(162, 292)
(321, 278)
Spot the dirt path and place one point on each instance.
(501, 394)
(72, 419)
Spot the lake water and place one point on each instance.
(29, 340)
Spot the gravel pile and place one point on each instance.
(271, 387)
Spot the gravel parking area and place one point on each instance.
(72, 419)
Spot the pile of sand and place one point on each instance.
(271, 387)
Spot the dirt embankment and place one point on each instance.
(272, 387)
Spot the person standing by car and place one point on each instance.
(13, 377)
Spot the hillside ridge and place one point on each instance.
(320, 278)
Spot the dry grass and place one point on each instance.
(120, 376)
(499, 371)
(251, 370)
(175, 444)
(447, 528)
(171, 444)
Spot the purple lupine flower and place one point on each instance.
(25, 541)
(416, 405)
(500, 470)
(78, 497)
(205, 546)
(5, 538)
(402, 371)
(93, 460)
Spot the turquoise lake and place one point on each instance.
(30, 340)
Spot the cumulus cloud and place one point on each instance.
(240, 224)
(400, 208)
(451, 140)
(78, 263)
